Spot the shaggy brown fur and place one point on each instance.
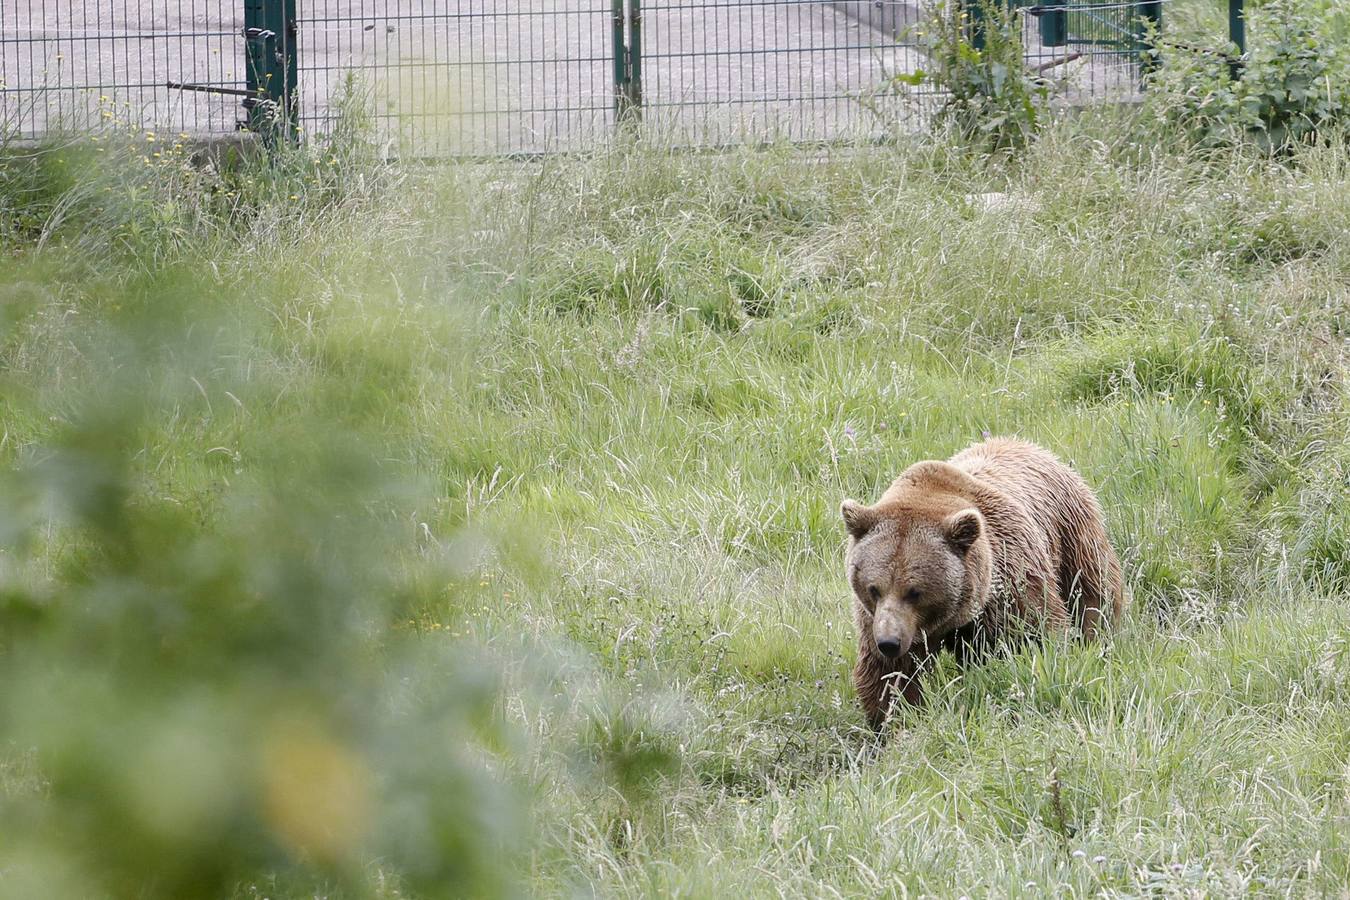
(1003, 540)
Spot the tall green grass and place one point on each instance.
(472, 530)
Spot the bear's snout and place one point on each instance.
(890, 647)
(893, 629)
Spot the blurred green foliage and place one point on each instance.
(1294, 85)
(196, 651)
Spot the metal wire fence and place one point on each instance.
(729, 70)
(540, 75)
(479, 77)
(474, 77)
(74, 64)
(1098, 45)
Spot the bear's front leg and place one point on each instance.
(906, 680)
(879, 682)
(874, 688)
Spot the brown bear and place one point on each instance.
(1001, 541)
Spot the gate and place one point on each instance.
(1118, 27)
(732, 71)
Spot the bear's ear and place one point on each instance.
(858, 518)
(963, 528)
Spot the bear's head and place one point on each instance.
(920, 567)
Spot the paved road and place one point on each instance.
(465, 76)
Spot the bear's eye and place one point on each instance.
(874, 593)
(912, 595)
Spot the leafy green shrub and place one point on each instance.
(1294, 87)
(989, 98)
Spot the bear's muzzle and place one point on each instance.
(894, 625)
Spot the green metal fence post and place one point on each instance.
(627, 38)
(620, 57)
(270, 68)
(635, 57)
(1237, 33)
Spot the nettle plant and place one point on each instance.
(988, 96)
(1294, 87)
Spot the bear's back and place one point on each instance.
(1056, 498)
(1025, 472)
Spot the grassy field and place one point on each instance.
(473, 530)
